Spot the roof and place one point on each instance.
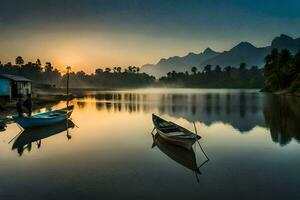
(14, 77)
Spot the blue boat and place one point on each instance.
(44, 119)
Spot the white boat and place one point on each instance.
(174, 133)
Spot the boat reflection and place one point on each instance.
(182, 156)
(36, 135)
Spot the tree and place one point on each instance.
(207, 69)
(130, 68)
(119, 69)
(48, 67)
(218, 69)
(19, 60)
(98, 71)
(194, 70)
(242, 66)
(228, 70)
(38, 62)
(107, 70)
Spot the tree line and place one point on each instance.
(49, 75)
(216, 77)
(282, 71)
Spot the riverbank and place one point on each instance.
(40, 99)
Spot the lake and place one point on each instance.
(108, 152)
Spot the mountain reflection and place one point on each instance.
(242, 110)
(239, 109)
(28, 137)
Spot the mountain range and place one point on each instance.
(243, 52)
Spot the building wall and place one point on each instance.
(4, 87)
(24, 88)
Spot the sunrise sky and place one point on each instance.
(88, 34)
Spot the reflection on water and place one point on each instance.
(282, 117)
(182, 156)
(29, 137)
(240, 109)
(109, 155)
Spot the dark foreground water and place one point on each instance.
(251, 139)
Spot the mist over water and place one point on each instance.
(252, 140)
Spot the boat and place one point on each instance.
(180, 155)
(44, 119)
(174, 133)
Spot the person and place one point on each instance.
(28, 104)
(19, 106)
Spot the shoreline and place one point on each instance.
(44, 97)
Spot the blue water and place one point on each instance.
(251, 139)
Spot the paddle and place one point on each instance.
(207, 159)
(152, 131)
(16, 136)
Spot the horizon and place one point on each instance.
(97, 34)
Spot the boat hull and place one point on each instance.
(31, 122)
(174, 133)
(185, 143)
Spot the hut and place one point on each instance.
(11, 86)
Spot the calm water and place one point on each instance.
(251, 139)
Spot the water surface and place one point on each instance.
(251, 139)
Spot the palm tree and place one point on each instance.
(98, 71)
(194, 70)
(19, 60)
(119, 69)
(130, 68)
(38, 62)
(242, 66)
(228, 70)
(207, 69)
(107, 70)
(218, 69)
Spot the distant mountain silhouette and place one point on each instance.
(243, 52)
(179, 63)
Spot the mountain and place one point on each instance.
(179, 63)
(286, 42)
(243, 52)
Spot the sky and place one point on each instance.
(89, 34)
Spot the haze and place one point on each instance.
(91, 34)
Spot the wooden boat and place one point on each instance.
(32, 135)
(180, 155)
(174, 133)
(44, 119)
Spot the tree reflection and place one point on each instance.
(282, 116)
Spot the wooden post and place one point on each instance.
(68, 78)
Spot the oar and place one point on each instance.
(152, 131)
(200, 144)
(15, 136)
